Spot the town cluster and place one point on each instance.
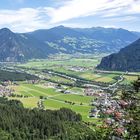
(112, 110)
(5, 90)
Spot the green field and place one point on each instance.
(55, 100)
(30, 102)
(129, 79)
(63, 63)
(83, 109)
(69, 62)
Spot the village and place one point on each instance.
(5, 90)
(112, 110)
(79, 68)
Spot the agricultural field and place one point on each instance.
(53, 62)
(82, 66)
(53, 98)
(129, 79)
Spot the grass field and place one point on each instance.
(83, 109)
(55, 100)
(69, 62)
(129, 79)
(30, 102)
(74, 98)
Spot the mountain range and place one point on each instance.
(127, 59)
(42, 43)
(85, 40)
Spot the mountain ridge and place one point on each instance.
(41, 43)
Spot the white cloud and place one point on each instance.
(28, 19)
(135, 8)
(82, 8)
(76, 8)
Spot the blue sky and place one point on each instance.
(29, 15)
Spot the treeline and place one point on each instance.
(18, 123)
(15, 76)
(79, 80)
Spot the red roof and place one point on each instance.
(120, 130)
(118, 115)
(124, 103)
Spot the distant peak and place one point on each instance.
(5, 30)
(61, 26)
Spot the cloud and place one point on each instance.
(25, 19)
(81, 8)
(76, 8)
(28, 19)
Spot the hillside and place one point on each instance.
(20, 47)
(127, 59)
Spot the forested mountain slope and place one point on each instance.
(127, 59)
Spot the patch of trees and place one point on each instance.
(19, 96)
(69, 102)
(18, 123)
(15, 76)
(133, 111)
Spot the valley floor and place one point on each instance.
(67, 81)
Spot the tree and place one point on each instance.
(136, 84)
(133, 111)
(5, 136)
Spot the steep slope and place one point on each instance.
(19, 47)
(127, 59)
(86, 40)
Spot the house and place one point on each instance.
(93, 92)
(50, 85)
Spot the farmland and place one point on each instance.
(82, 66)
(54, 99)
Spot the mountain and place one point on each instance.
(85, 40)
(19, 47)
(42, 43)
(127, 59)
(136, 33)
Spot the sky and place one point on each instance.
(30, 15)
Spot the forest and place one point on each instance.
(15, 76)
(18, 123)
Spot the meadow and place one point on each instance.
(53, 98)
